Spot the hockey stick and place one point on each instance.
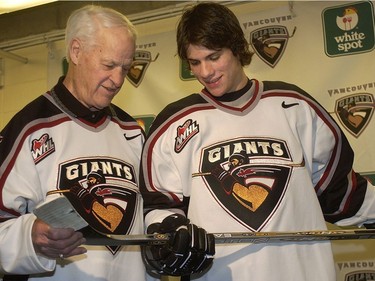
(60, 213)
(238, 237)
(261, 162)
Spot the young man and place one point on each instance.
(246, 156)
(58, 142)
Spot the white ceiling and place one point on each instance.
(7, 6)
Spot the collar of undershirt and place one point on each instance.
(232, 96)
(73, 107)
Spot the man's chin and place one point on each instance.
(106, 101)
(100, 106)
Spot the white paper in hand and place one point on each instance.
(59, 213)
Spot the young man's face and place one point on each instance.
(217, 70)
(100, 70)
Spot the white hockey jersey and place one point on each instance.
(55, 143)
(266, 158)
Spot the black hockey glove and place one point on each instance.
(190, 249)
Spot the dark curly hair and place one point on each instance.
(213, 26)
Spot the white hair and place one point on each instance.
(86, 21)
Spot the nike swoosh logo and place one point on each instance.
(131, 137)
(284, 105)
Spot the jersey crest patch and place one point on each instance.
(248, 177)
(42, 147)
(355, 112)
(185, 133)
(103, 191)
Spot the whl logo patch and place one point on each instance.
(355, 112)
(185, 133)
(269, 43)
(42, 147)
(349, 29)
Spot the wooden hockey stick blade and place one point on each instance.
(238, 237)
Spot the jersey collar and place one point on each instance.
(73, 107)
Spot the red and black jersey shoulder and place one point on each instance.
(284, 86)
(174, 108)
(124, 118)
(23, 122)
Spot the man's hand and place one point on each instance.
(56, 243)
(189, 251)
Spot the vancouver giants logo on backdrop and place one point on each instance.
(353, 270)
(270, 43)
(355, 112)
(142, 60)
(361, 275)
(104, 191)
(269, 35)
(248, 177)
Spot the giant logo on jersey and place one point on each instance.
(355, 112)
(103, 191)
(248, 177)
